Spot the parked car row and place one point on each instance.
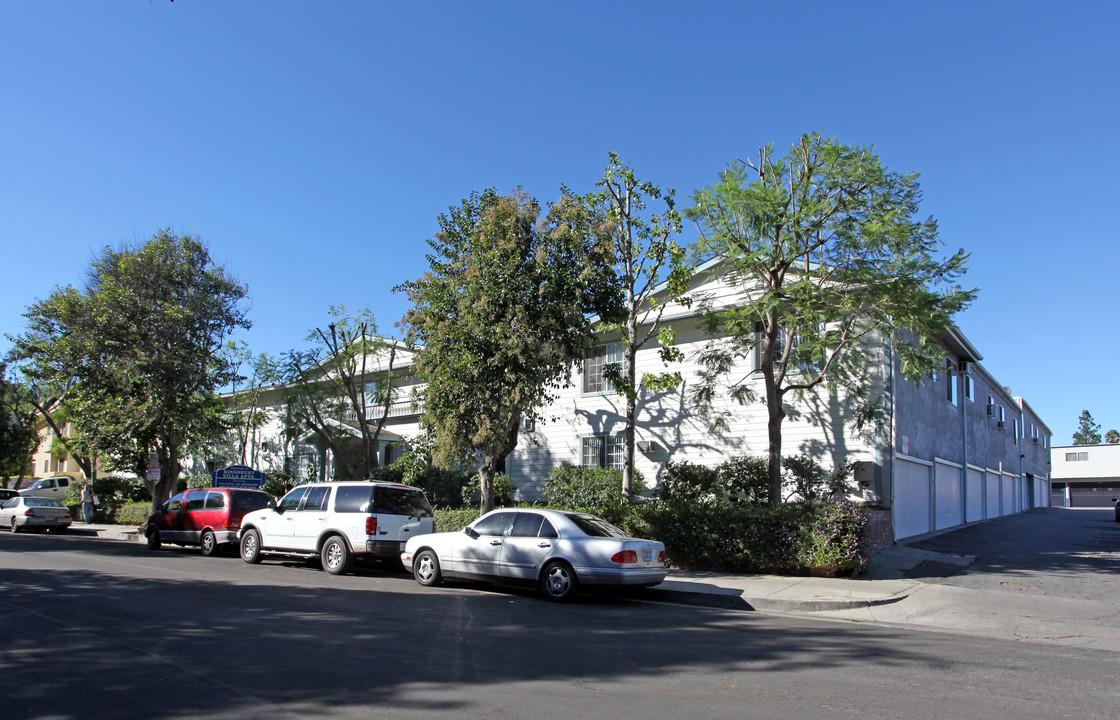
(555, 551)
(34, 513)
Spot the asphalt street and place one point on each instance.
(95, 629)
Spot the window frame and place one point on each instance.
(592, 372)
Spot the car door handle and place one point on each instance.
(495, 542)
(544, 545)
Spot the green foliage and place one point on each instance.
(341, 389)
(809, 480)
(825, 245)
(593, 490)
(1112, 437)
(18, 436)
(113, 490)
(202, 480)
(130, 513)
(278, 483)
(504, 490)
(448, 488)
(500, 319)
(745, 479)
(138, 351)
(828, 537)
(1088, 432)
(452, 520)
(686, 483)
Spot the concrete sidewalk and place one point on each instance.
(735, 591)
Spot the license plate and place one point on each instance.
(647, 554)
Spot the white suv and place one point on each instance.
(338, 521)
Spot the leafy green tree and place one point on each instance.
(341, 389)
(1088, 432)
(245, 410)
(137, 353)
(648, 263)
(824, 247)
(18, 436)
(500, 319)
(1112, 437)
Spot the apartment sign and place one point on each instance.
(239, 476)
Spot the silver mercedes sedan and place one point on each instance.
(553, 550)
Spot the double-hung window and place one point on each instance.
(595, 364)
(602, 451)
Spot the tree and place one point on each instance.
(826, 252)
(647, 261)
(136, 354)
(341, 389)
(1112, 437)
(244, 401)
(18, 437)
(500, 319)
(1088, 432)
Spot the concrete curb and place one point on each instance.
(729, 599)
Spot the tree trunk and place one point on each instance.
(631, 418)
(169, 469)
(486, 485)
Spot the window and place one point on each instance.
(398, 501)
(968, 387)
(951, 386)
(215, 500)
(1015, 423)
(991, 406)
(291, 500)
(595, 363)
(196, 500)
(317, 498)
(495, 524)
(603, 451)
(353, 499)
(175, 503)
(1077, 457)
(527, 525)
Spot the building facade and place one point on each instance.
(1086, 475)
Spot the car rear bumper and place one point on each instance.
(620, 576)
(384, 548)
(32, 522)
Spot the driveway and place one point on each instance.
(1049, 575)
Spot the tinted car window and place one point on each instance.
(41, 502)
(547, 531)
(215, 500)
(596, 527)
(196, 500)
(527, 525)
(495, 524)
(291, 500)
(13, 502)
(249, 501)
(317, 498)
(353, 499)
(175, 503)
(398, 501)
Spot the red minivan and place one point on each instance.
(207, 517)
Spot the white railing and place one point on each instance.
(403, 408)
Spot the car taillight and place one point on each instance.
(231, 525)
(29, 513)
(625, 556)
(371, 525)
(661, 557)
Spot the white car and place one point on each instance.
(53, 488)
(34, 513)
(338, 521)
(553, 550)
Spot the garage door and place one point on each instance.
(911, 499)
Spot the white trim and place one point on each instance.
(950, 463)
(912, 459)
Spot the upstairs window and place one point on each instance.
(951, 385)
(602, 451)
(595, 363)
(1077, 457)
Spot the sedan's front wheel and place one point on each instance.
(425, 568)
(559, 582)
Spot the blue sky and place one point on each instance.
(313, 145)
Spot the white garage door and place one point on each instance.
(911, 499)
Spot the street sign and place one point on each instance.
(239, 476)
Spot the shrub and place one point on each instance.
(810, 481)
(444, 488)
(592, 490)
(504, 489)
(112, 490)
(686, 483)
(798, 537)
(278, 482)
(130, 513)
(452, 520)
(745, 479)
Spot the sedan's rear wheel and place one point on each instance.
(251, 547)
(154, 540)
(15, 527)
(336, 556)
(208, 543)
(425, 568)
(559, 582)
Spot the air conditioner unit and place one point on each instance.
(647, 447)
(999, 424)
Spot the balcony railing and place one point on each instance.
(403, 408)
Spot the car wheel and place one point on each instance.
(425, 568)
(153, 539)
(251, 547)
(559, 582)
(15, 528)
(336, 556)
(208, 543)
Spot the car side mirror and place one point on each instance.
(470, 531)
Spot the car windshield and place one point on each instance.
(596, 526)
(40, 502)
